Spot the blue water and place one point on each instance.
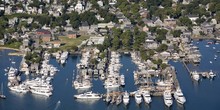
(203, 95)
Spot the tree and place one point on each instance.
(126, 39)
(176, 33)
(217, 16)
(185, 21)
(115, 43)
(162, 47)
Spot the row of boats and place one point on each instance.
(61, 56)
(139, 96)
(196, 77)
(83, 79)
(114, 79)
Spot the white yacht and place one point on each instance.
(138, 98)
(41, 92)
(147, 97)
(109, 85)
(12, 72)
(122, 80)
(88, 95)
(20, 88)
(195, 75)
(211, 74)
(126, 98)
(86, 84)
(167, 98)
(178, 95)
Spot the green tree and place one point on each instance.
(176, 33)
(185, 21)
(116, 43)
(162, 47)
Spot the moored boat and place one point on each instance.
(178, 95)
(88, 95)
(147, 97)
(167, 98)
(126, 98)
(138, 98)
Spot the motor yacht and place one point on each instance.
(178, 95)
(138, 98)
(88, 95)
(167, 98)
(126, 98)
(147, 97)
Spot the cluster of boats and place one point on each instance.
(83, 80)
(178, 95)
(37, 86)
(114, 80)
(195, 75)
(62, 57)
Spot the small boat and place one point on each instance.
(213, 47)
(88, 95)
(178, 95)
(147, 97)
(167, 98)
(138, 98)
(210, 61)
(211, 74)
(195, 75)
(206, 45)
(2, 94)
(118, 100)
(126, 98)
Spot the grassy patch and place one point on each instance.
(69, 42)
(15, 45)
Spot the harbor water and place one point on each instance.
(202, 95)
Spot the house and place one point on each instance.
(56, 44)
(26, 42)
(2, 42)
(108, 25)
(217, 34)
(170, 22)
(84, 26)
(79, 7)
(207, 28)
(165, 54)
(196, 30)
(34, 67)
(68, 27)
(158, 22)
(143, 13)
(193, 18)
(95, 40)
(45, 35)
(100, 3)
(72, 34)
(187, 1)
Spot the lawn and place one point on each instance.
(69, 42)
(15, 45)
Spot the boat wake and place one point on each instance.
(57, 105)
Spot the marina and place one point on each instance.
(64, 92)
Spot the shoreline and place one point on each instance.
(8, 48)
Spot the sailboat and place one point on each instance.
(2, 95)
